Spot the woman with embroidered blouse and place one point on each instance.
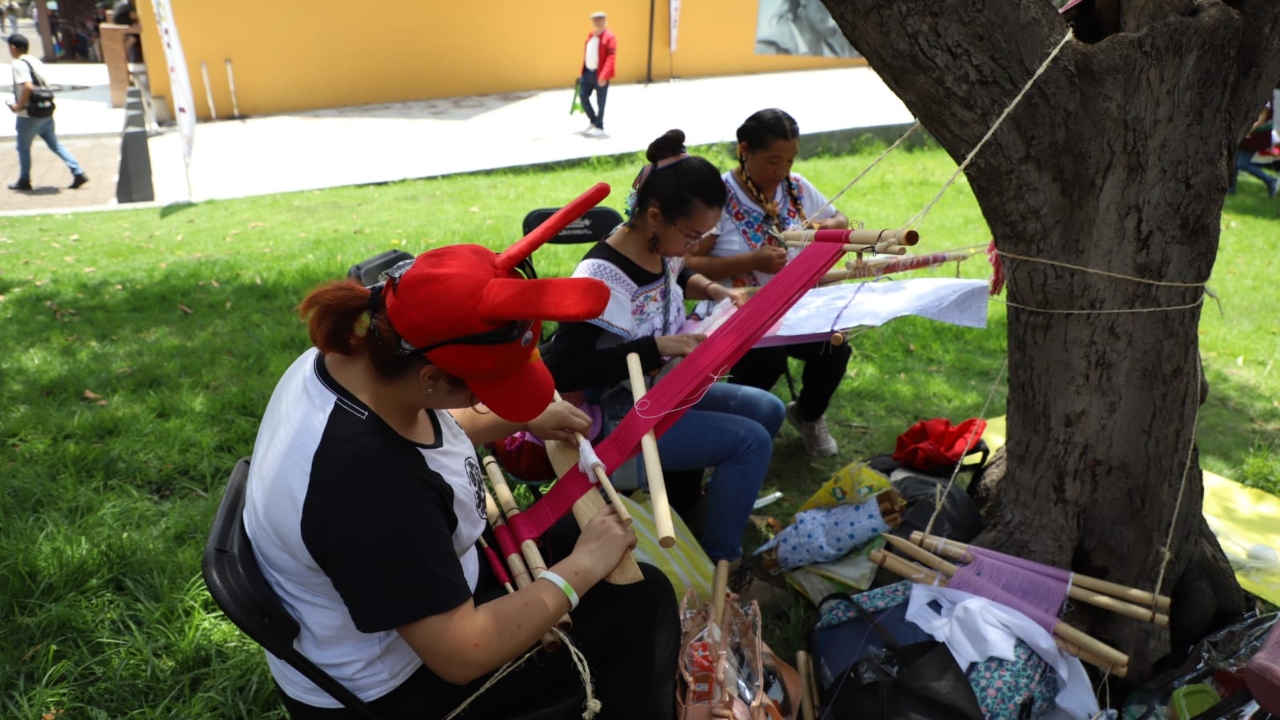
(764, 198)
(678, 199)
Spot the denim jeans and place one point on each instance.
(731, 428)
(588, 85)
(28, 129)
(1244, 161)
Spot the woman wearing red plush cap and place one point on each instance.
(364, 503)
(677, 200)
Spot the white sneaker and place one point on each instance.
(817, 441)
(595, 132)
(586, 130)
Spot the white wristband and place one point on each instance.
(563, 585)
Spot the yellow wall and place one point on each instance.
(294, 55)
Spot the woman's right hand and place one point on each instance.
(770, 259)
(603, 541)
(678, 345)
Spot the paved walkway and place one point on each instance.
(383, 143)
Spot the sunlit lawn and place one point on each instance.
(140, 348)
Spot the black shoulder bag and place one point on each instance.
(920, 681)
(40, 102)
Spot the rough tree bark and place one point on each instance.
(1117, 159)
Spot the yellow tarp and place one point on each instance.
(1246, 521)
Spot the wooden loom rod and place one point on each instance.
(663, 524)
(806, 697)
(603, 478)
(528, 548)
(1133, 595)
(879, 250)
(1090, 597)
(564, 457)
(897, 236)
(550, 641)
(1088, 651)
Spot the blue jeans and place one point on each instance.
(731, 428)
(28, 129)
(588, 85)
(1244, 161)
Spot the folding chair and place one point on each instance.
(367, 271)
(235, 581)
(594, 225)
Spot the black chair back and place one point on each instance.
(235, 581)
(595, 225)
(367, 271)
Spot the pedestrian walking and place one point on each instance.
(598, 67)
(10, 12)
(28, 74)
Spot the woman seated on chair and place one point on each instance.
(364, 504)
(765, 197)
(677, 199)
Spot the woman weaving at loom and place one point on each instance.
(765, 197)
(365, 503)
(677, 199)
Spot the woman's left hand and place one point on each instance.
(838, 222)
(559, 422)
(738, 296)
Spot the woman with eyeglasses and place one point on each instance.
(677, 199)
(765, 198)
(365, 504)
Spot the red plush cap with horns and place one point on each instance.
(475, 317)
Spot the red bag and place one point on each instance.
(933, 444)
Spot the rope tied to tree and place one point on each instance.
(918, 219)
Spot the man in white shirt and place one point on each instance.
(28, 72)
(598, 66)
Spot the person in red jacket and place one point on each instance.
(598, 62)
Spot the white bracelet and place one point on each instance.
(563, 585)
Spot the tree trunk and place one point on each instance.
(1116, 160)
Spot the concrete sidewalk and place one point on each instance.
(383, 143)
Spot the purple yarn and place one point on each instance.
(965, 580)
(1028, 565)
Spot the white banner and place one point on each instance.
(184, 104)
(675, 22)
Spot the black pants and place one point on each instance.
(588, 85)
(824, 368)
(629, 634)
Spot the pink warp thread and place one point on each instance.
(669, 399)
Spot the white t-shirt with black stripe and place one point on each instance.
(358, 529)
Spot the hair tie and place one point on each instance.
(649, 169)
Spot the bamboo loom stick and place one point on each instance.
(885, 250)
(806, 694)
(663, 524)
(1142, 598)
(876, 266)
(528, 548)
(602, 477)
(1091, 651)
(1090, 597)
(550, 641)
(1067, 632)
(888, 236)
(564, 457)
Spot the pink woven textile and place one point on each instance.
(685, 384)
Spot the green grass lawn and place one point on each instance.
(141, 347)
